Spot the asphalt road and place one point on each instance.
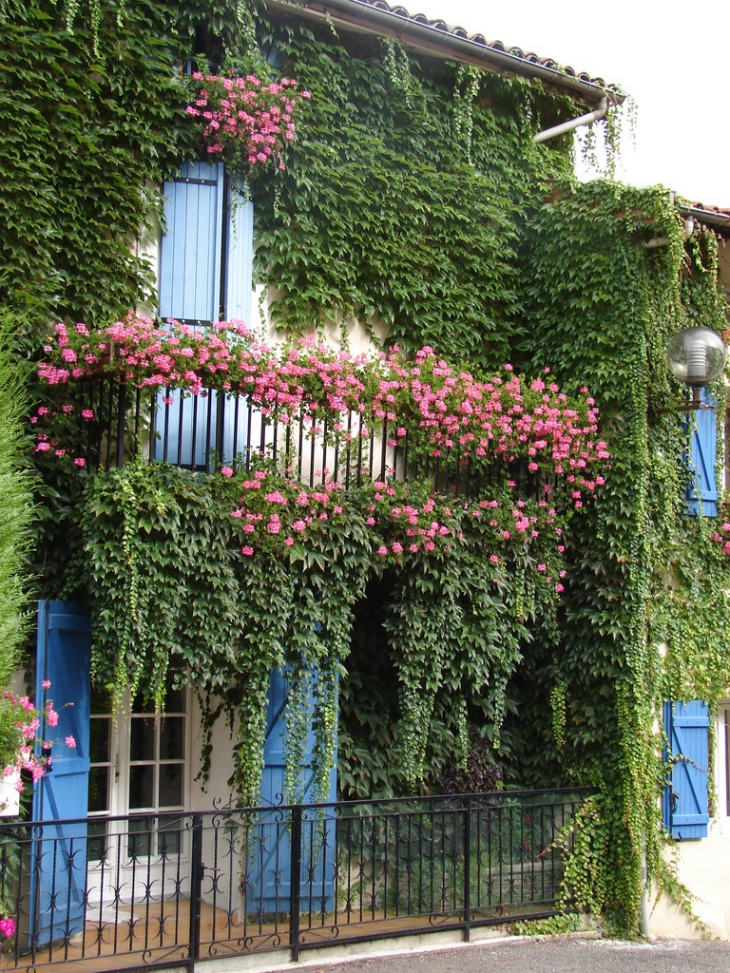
(543, 955)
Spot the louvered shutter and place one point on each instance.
(685, 806)
(239, 252)
(191, 248)
(703, 453)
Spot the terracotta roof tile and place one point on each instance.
(494, 45)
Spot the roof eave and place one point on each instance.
(427, 38)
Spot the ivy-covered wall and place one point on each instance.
(645, 615)
(415, 198)
(435, 170)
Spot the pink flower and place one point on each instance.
(51, 717)
(46, 684)
(7, 926)
(70, 742)
(80, 461)
(247, 551)
(226, 471)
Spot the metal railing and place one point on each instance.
(211, 430)
(174, 889)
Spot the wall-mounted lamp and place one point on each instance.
(696, 357)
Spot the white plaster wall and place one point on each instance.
(206, 796)
(703, 866)
(358, 337)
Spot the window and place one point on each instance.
(206, 253)
(137, 767)
(101, 772)
(156, 775)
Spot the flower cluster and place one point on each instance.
(409, 520)
(405, 521)
(508, 529)
(499, 419)
(276, 512)
(225, 356)
(722, 537)
(244, 120)
(32, 754)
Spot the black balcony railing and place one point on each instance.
(174, 889)
(211, 430)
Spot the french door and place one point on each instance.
(138, 779)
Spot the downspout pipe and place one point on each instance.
(592, 116)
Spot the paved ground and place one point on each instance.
(542, 955)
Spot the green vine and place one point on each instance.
(416, 201)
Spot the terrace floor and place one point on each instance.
(158, 933)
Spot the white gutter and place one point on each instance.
(592, 116)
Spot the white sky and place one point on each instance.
(672, 56)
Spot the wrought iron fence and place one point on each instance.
(175, 889)
(210, 430)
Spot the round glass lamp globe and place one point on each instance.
(696, 356)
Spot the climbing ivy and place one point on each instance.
(416, 201)
(432, 187)
(604, 311)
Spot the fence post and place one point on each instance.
(467, 872)
(296, 878)
(196, 878)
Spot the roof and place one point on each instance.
(714, 216)
(436, 37)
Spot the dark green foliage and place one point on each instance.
(85, 142)
(600, 309)
(481, 773)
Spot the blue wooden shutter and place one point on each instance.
(703, 453)
(58, 884)
(685, 803)
(239, 253)
(268, 882)
(191, 248)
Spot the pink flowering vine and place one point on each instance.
(424, 404)
(244, 120)
(33, 754)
